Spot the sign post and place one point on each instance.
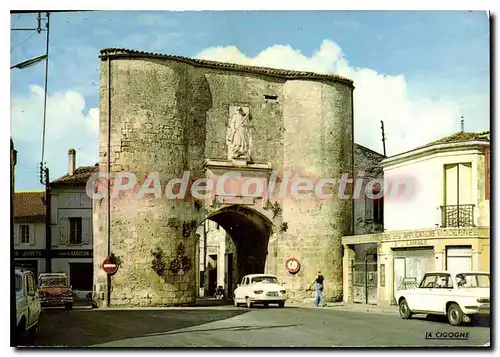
(109, 266)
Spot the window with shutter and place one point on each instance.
(32, 234)
(64, 231)
(86, 231)
(75, 230)
(25, 233)
(368, 208)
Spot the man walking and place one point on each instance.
(319, 289)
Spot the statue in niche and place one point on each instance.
(239, 138)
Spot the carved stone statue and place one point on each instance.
(239, 138)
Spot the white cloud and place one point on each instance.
(68, 125)
(409, 120)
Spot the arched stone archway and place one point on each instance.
(164, 116)
(250, 232)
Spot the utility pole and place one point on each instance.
(45, 180)
(383, 136)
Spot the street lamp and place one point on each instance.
(30, 62)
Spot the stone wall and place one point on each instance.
(168, 116)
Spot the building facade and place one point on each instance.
(29, 231)
(439, 221)
(71, 226)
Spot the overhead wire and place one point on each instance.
(25, 40)
(16, 20)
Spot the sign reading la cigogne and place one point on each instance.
(447, 335)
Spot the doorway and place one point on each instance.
(459, 259)
(81, 276)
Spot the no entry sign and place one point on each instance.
(109, 266)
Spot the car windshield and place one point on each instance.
(53, 282)
(471, 280)
(265, 279)
(19, 283)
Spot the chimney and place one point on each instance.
(462, 125)
(71, 161)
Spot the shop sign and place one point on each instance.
(72, 253)
(29, 253)
(411, 243)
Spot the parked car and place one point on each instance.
(54, 290)
(259, 289)
(460, 296)
(28, 306)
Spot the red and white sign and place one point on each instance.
(292, 265)
(109, 266)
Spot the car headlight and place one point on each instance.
(483, 300)
(68, 294)
(283, 291)
(258, 291)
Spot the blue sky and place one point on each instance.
(420, 71)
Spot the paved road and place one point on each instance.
(239, 327)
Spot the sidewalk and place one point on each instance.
(392, 310)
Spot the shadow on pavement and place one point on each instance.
(229, 328)
(79, 328)
(482, 321)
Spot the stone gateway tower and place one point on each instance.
(168, 120)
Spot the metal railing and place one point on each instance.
(457, 216)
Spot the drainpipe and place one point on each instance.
(48, 222)
(353, 161)
(108, 172)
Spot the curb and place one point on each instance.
(353, 308)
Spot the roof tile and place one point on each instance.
(286, 73)
(79, 177)
(29, 205)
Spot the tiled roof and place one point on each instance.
(29, 205)
(463, 136)
(79, 177)
(285, 73)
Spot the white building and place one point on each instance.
(30, 230)
(439, 220)
(218, 268)
(71, 226)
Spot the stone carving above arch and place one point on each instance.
(239, 133)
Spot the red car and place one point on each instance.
(54, 290)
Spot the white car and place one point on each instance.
(457, 296)
(259, 289)
(28, 307)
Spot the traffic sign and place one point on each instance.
(292, 265)
(109, 266)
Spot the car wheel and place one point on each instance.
(455, 314)
(31, 334)
(281, 304)
(249, 303)
(20, 334)
(404, 309)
